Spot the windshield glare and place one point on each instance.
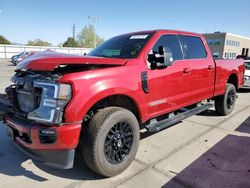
(125, 46)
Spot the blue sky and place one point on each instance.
(52, 20)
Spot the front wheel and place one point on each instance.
(224, 104)
(110, 141)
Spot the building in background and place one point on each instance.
(227, 45)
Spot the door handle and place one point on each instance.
(186, 70)
(210, 67)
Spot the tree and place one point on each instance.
(3, 40)
(70, 42)
(38, 42)
(86, 37)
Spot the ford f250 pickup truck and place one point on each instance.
(99, 102)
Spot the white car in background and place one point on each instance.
(19, 57)
(247, 74)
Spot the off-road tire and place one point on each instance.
(224, 104)
(95, 135)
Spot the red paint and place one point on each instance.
(67, 135)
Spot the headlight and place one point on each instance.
(54, 98)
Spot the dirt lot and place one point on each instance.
(203, 151)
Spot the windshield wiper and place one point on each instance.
(103, 56)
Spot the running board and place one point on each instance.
(155, 125)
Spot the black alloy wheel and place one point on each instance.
(118, 142)
(230, 99)
(224, 104)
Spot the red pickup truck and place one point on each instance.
(99, 102)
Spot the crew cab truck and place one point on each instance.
(99, 102)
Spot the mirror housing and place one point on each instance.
(161, 59)
(161, 50)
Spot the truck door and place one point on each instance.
(202, 68)
(168, 87)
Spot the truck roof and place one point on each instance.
(167, 31)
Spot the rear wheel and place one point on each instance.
(224, 104)
(111, 141)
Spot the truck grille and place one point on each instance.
(24, 97)
(27, 100)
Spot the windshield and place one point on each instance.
(247, 65)
(125, 46)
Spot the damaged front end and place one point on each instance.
(33, 112)
(37, 97)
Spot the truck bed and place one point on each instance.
(224, 68)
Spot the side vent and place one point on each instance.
(144, 81)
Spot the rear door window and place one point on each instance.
(193, 47)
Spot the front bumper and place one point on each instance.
(55, 150)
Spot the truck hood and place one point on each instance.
(50, 60)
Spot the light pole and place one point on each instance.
(94, 19)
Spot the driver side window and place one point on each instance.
(171, 46)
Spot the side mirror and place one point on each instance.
(167, 57)
(161, 50)
(160, 60)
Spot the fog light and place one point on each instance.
(47, 136)
(48, 131)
